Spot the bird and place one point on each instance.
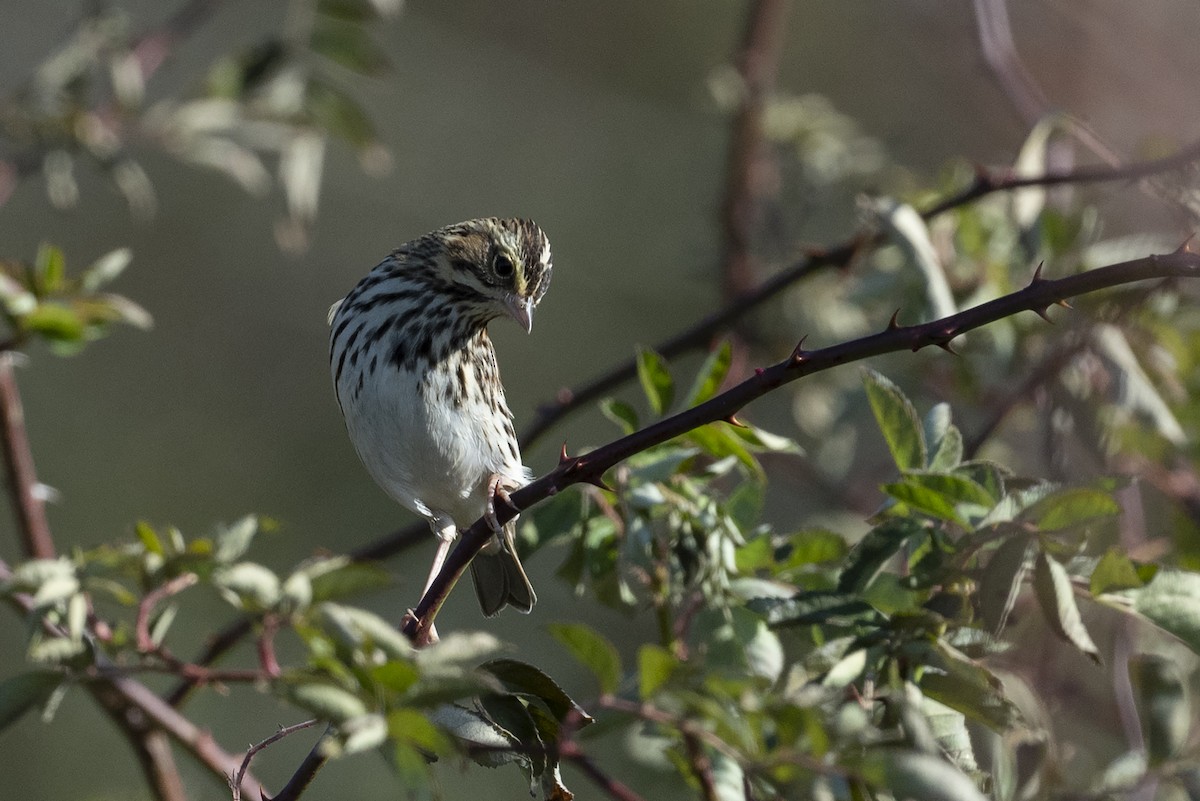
(418, 385)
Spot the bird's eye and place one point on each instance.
(503, 266)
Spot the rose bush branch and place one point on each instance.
(841, 256)
(1038, 296)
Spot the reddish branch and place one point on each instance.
(239, 776)
(590, 468)
(23, 486)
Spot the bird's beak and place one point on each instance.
(521, 310)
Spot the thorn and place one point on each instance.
(733, 421)
(947, 347)
(1063, 303)
(563, 458)
(798, 353)
(1042, 313)
(1037, 274)
(758, 371)
(894, 323)
(1186, 246)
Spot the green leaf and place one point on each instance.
(54, 321)
(593, 651)
(233, 541)
(913, 775)
(49, 267)
(711, 375)
(1066, 508)
(521, 677)
(814, 546)
(898, 421)
(620, 413)
(941, 495)
(1115, 571)
(105, 269)
(655, 666)
(719, 440)
(248, 586)
(944, 438)
(1172, 602)
(813, 608)
(966, 686)
(655, 377)
(413, 727)
(1000, 583)
(25, 691)
(327, 701)
(347, 44)
(1057, 599)
(868, 555)
(339, 113)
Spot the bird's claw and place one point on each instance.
(495, 490)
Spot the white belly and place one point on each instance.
(431, 455)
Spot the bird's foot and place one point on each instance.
(495, 490)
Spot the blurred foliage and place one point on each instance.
(281, 100)
(888, 658)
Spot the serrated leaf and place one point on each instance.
(620, 413)
(1000, 582)
(655, 666)
(948, 450)
(1115, 571)
(656, 381)
(1057, 599)
(521, 677)
(897, 420)
(1065, 508)
(472, 727)
(868, 555)
(710, 376)
(593, 651)
(941, 495)
(26, 691)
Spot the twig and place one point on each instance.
(748, 162)
(1000, 52)
(23, 486)
(304, 774)
(590, 468)
(701, 766)
(839, 256)
(238, 776)
(571, 752)
(145, 643)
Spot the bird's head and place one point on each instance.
(497, 266)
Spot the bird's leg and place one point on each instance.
(444, 528)
(496, 489)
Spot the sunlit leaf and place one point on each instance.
(1069, 507)
(326, 701)
(898, 421)
(620, 413)
(1172, 602)
(522, 677)
(1057, 599)
(656, 381)
(1115, 571)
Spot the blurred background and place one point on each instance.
(608, 124)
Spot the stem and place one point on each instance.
(590, 468)
(239, 775)
(23, 485)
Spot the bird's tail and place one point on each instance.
(500, 579)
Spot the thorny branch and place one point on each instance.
(238, 776)
(590, 468)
